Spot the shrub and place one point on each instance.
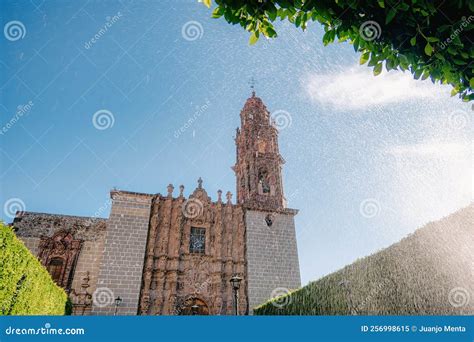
(26, 288)
(426, 273)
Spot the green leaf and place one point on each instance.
(413, 41)
(218, 12)
(432, 39)
(390, 15)
(459, 61)
(329, 37)
(364, 57)
(355, 43)
(417, 73)
(253, 38)
(428, 49)
(272, 14)
(381, 3)
(471, 82)
(452, 50)
(378, 69)
(268, 31)
(207, 3)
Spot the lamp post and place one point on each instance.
(118, 300)
(235, 281)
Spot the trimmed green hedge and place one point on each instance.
(26, 288)
(426, 273)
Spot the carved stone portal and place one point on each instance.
(59, 255)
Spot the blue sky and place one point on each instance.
(368, 159)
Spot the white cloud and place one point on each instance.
(357, 88)
(431, 149)
(429, 180)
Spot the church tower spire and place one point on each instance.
(259, 163)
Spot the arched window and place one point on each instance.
(55, 268)
(263, 180)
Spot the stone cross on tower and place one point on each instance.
(252, 83)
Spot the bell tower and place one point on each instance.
(270, 237)
(259, 163)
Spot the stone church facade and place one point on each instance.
(172, 255)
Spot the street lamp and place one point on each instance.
(235, 281)
(118, 300)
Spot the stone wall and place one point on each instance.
(121, 269)
(32, 243)
(272, 255)
(37, 225)
(42, 235)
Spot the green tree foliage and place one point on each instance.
(426, 273)
(429, 38)
(26, 288)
